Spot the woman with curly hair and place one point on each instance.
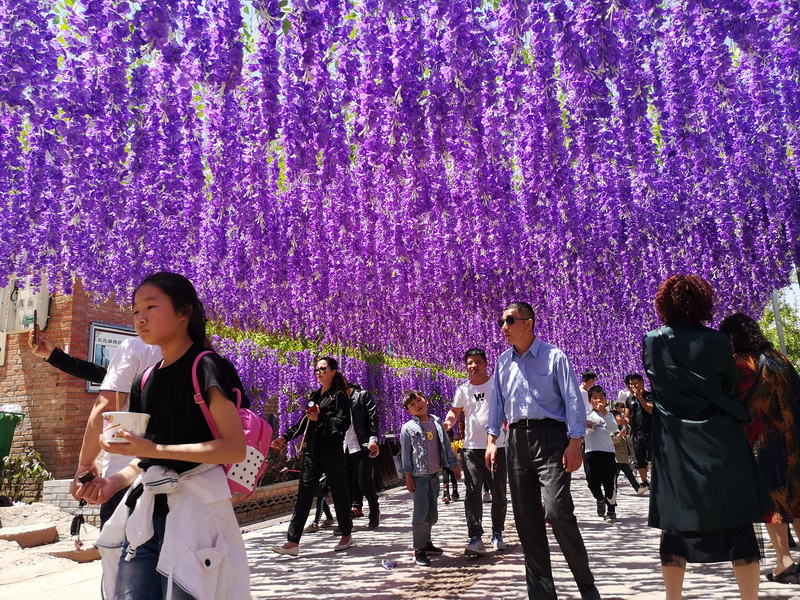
(705, 491)
(770, 388)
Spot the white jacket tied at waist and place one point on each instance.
(209, 562)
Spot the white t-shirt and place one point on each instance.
(585, 395)
(474, 399)
(598, 438)
(131, 358)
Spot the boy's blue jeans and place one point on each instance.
(426, 512)
(138, 579)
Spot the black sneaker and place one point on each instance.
(601, 508)
(433, 550)
(374, 519)
(611, 517)
(421, 557)
(356, 513)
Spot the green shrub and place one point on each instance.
(19, 473)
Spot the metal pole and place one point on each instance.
(776, 311)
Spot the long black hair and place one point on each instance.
(745, 334)
(338, 382)
(184, 299)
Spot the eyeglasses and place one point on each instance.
(320, 370)
(510, 321)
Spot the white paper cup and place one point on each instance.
(114, 422)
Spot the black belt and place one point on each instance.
(535, 423)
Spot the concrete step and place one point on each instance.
(29, 536)
(66, 549)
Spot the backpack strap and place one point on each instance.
(198, 397)
(200, 401)
(145, 376)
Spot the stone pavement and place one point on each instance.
(624, 561)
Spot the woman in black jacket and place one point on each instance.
(323, 427)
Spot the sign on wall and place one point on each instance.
(103, 343)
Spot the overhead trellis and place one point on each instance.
(387, 174)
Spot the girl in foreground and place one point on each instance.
(177, 479)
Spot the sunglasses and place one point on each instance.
(510, 321)
(321, 370)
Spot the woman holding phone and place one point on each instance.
(326, 420)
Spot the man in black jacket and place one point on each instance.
(361, 445)
(639, 411)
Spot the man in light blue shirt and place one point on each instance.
(536, 391)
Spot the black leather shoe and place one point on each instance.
(788, 575)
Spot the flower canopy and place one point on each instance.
(388, 174)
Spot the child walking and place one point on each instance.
(622, 450)
(448, 477)
(599, 461)
(176, 477)
(424, 449)
(322, 506)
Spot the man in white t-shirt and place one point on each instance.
(472, 399)
(588, 379)
(131, 358)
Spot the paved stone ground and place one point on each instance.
(624, 560)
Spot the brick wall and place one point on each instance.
(55, 405)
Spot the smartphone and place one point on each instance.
(35, 328)
(86, 477)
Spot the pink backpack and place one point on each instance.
(243, 477)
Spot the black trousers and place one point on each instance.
(601, 476)
(328, 459)
(475, 476)
(359, 479)
(535, 477)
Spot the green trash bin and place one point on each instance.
(8, 422)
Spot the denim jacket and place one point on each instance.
(414, 448)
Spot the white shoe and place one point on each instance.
(293, 551)
(344, 545)
(475, 547)
(497, 541)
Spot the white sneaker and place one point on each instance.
(475, 547)
(643, 489)
(497, 541)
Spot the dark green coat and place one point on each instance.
(704, 475)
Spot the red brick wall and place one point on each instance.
(55, 405)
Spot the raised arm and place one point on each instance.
(53, 355)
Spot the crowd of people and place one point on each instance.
(715, 443)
